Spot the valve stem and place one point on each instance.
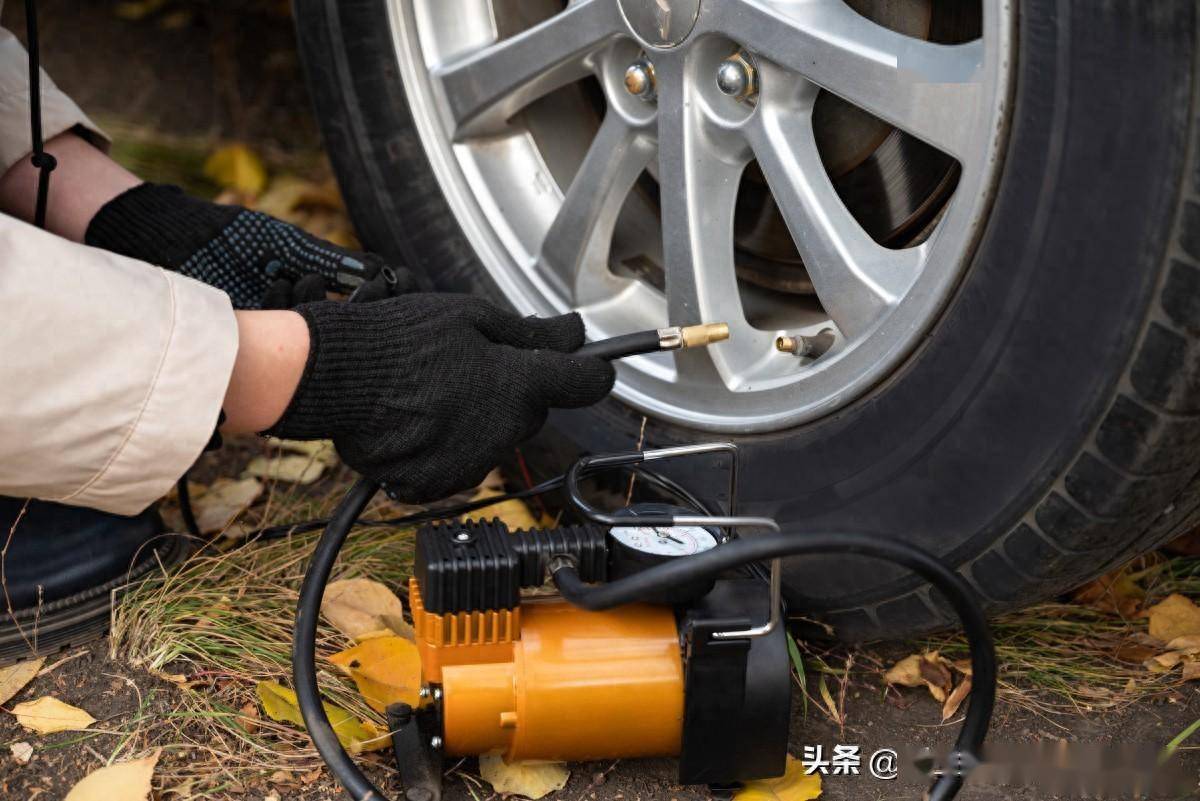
(806, 347)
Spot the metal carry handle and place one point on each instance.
(730, 523)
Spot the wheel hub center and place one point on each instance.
(661, 23)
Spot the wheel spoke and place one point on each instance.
(932, 91)
(483, 89)
(855, 278)
(699, 179)
(576, 247)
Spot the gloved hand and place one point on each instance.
(254, 258)
(426, 393)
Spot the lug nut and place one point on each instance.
(806, 347)
(737, 78)
(639, 79)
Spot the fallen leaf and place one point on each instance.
(362, 607)
(955, 699)
(21, 752)
(1132, 653)
(1113, 592)
(529, 779)
(134, 10)
(280, 705)
(124, 781)
(386, 670)
(292, 199)
(1191, 671)
(320, 449)
(930, 669)
(793, 785)
(514, 513)
(47, 715)
(14, 677)
(224, 500)
(236, 167)
(249, 717)
(296, 469)
(1175, 616)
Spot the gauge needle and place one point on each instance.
(667, 536)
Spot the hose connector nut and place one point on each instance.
(560, 561)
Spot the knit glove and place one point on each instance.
(254, 258)
(426, 393)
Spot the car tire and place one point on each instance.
(1044, 430)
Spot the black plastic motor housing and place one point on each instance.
(479, 565)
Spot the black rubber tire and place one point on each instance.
(1046, 428)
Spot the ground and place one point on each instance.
(173, 81)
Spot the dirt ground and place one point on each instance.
(222, 72)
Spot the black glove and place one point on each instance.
(426, 393)
(254, 258)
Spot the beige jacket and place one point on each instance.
(112, 371)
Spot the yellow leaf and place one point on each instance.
(14, 677)
(514, 513)
(289, 198)
(124, 781)
(954, 701)
(793, 785)
(280, 705)
(134, 10)
(906, 672)
(320, 449)
(361, 607)
(47, 715)
(296, 469)
(223, 501)
(1175, 616)
(930, 669)
(529, 779)
(386, 670)
(237, 167)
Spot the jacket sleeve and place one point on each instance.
(59, 112)
(112, 372)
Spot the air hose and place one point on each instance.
(733, 554)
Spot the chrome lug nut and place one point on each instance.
(737, 77)
(639, 80)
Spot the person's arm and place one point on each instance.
(273, 348)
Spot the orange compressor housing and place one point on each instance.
(548, 681)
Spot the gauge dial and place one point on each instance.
(669, 541)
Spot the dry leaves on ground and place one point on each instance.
(219, 504)
(320, 449)
(237, 167)
(515, 514)
(14, 677)
(936, 673)
(793, 785)
(528, 779)
(1116, 592)
(1174, 637)
(280, 705)
(47, 715)
(124, 781)
(386, 670)
(21, 752)
(294, 469)
(361, 608)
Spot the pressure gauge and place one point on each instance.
(665, 541)
(633, 548)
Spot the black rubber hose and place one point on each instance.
(623, 346)
(185, 507)
(304, 644)
(761, 548)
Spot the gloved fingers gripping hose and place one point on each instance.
(425, 393)
(257, 260)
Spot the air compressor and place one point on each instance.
(665, 637)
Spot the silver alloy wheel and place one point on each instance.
(553, 210)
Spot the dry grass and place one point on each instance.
(224, 622)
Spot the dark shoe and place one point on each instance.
(60, 568)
